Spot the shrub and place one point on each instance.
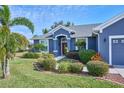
(47, 55)
(49, 64)
(76, 67)
(85, 55)
(96, 57)
(64, 67)
(31, 55)
(73, 55)
(48, 61)
(97, 68)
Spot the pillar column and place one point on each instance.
(68, 44)
(55, 51)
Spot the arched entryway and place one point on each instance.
(62, 45)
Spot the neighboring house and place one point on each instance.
(106, 38)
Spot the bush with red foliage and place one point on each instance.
(96, 57)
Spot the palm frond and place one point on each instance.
(22, 21)
(4, 35)
(5, 13)
(21, 39)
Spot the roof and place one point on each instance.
(109, 22)
(83, 30)
(79, 31)
(36, 37)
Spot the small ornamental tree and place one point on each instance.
(80, 44)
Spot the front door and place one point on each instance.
(64, 48)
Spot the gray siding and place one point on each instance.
(115, 29)
(92, 43)
(72, 46)
(50, 45)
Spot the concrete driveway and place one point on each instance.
(120, 71)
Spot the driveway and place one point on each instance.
(120, 71)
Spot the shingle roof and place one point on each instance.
(83, 30)
(80, 31)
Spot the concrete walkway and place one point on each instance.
(59, 58)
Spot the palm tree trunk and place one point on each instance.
(6, 70)
(2, 63)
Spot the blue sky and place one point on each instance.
(44, 16)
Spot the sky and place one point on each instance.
(45, 15)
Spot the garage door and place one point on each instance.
(118, 51)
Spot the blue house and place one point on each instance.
(107, 38)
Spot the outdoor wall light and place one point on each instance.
(104, 39)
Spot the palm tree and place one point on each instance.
(9, 41)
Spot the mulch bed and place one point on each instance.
(116, 78)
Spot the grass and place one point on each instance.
(23, 76)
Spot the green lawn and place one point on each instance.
(23, 75)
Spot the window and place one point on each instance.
(45, 43)
(79, 43)
(115, 41)
(122, 41)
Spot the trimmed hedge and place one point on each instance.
(85, 55)
(64, 67)
(73, 55)
(76, 67)
(31, 55)
(47, 61)
(97, 68)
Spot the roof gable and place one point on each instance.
(109, 22)
(61, 27)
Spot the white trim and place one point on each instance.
(86, 43)
(61, 35)
(55, 50)
(110, 46)
(59, 27)
(109, 22)
(48, 45)
(75, 45)
(98, 43)
(61, 47)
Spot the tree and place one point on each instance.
(80, 44)
(67, 24)
(39, 47)
(55, 24)
(44, 31)
(9, 41)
